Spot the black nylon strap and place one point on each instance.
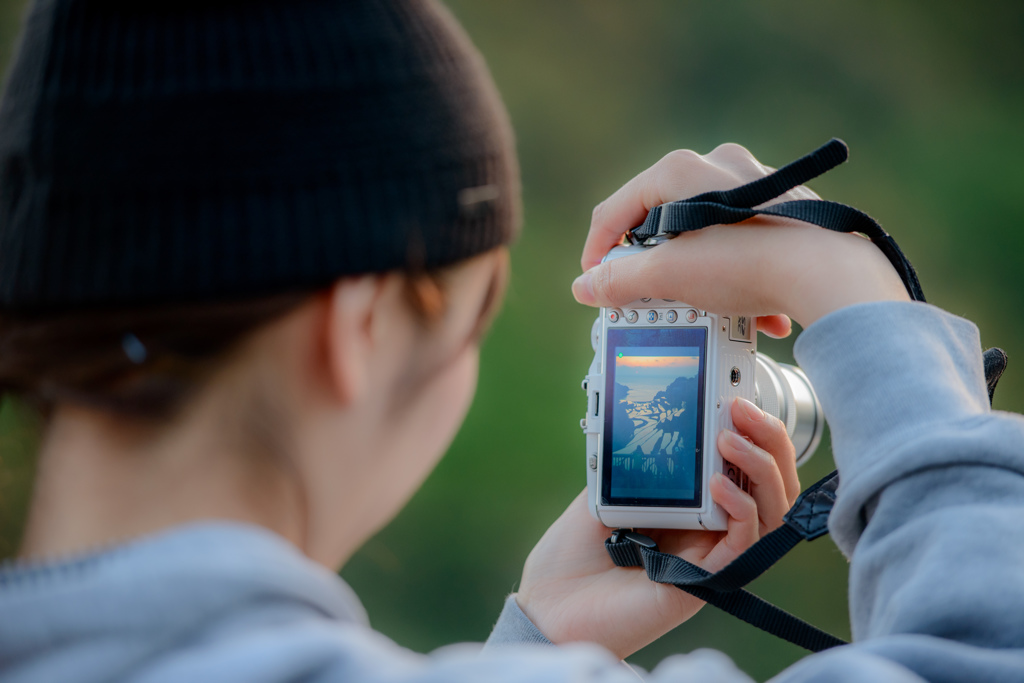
(736, 205)
(757, 612)
(804, 169)
(807, 519)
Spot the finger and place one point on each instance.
(768, 433)
(692, 545)
(742, 525)
(739, 161)
(696, 267)
(743, 164)
(766, 484)
(776, 326)
(678, 175)
(619, 281)
(798, 192)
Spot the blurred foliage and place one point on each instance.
(928, 96)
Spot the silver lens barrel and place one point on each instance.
(785, 392)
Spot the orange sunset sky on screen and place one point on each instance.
(656, 361)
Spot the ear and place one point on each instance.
(349, 332)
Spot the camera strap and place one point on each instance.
(736, 205)
(808, 518)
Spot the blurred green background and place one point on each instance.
(928, 96)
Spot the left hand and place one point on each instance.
(794, 269)
(572, 591)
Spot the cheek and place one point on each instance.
(433, 417)
(446, 401)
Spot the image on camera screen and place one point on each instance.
(655, 411)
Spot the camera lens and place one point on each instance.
(784, 391)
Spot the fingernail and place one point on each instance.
(736, 441)
(583, 289)
(752, 411)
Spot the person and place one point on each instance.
(247, 252)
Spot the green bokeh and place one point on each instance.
(929, 97)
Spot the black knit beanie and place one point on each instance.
(175, 150)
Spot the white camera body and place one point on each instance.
(659, 391)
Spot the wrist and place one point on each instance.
(529, 609)
(856, 272)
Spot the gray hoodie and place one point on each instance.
(929, 513)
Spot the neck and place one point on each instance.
(100, 482)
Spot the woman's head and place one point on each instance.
(287, 215)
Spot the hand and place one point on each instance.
(769, 267)
(572, 591)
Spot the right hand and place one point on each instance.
(572, 591)
(767, 267)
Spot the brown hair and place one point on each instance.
(145, 362)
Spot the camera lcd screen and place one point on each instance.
(654, 417)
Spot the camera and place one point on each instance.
(659, 391)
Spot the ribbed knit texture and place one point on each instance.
(176, 150)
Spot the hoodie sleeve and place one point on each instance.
(931, 493)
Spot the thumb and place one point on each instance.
(615, 282)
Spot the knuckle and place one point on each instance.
(665, 274)
(605, 283)
(738, 161)
(680, 160)
(596, 213)
(731, 150)
(776, 426)
(656, 261)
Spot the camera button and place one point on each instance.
(671, 316)
(632, 316)
(613, 316)
(652, 316)
(691, 316)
